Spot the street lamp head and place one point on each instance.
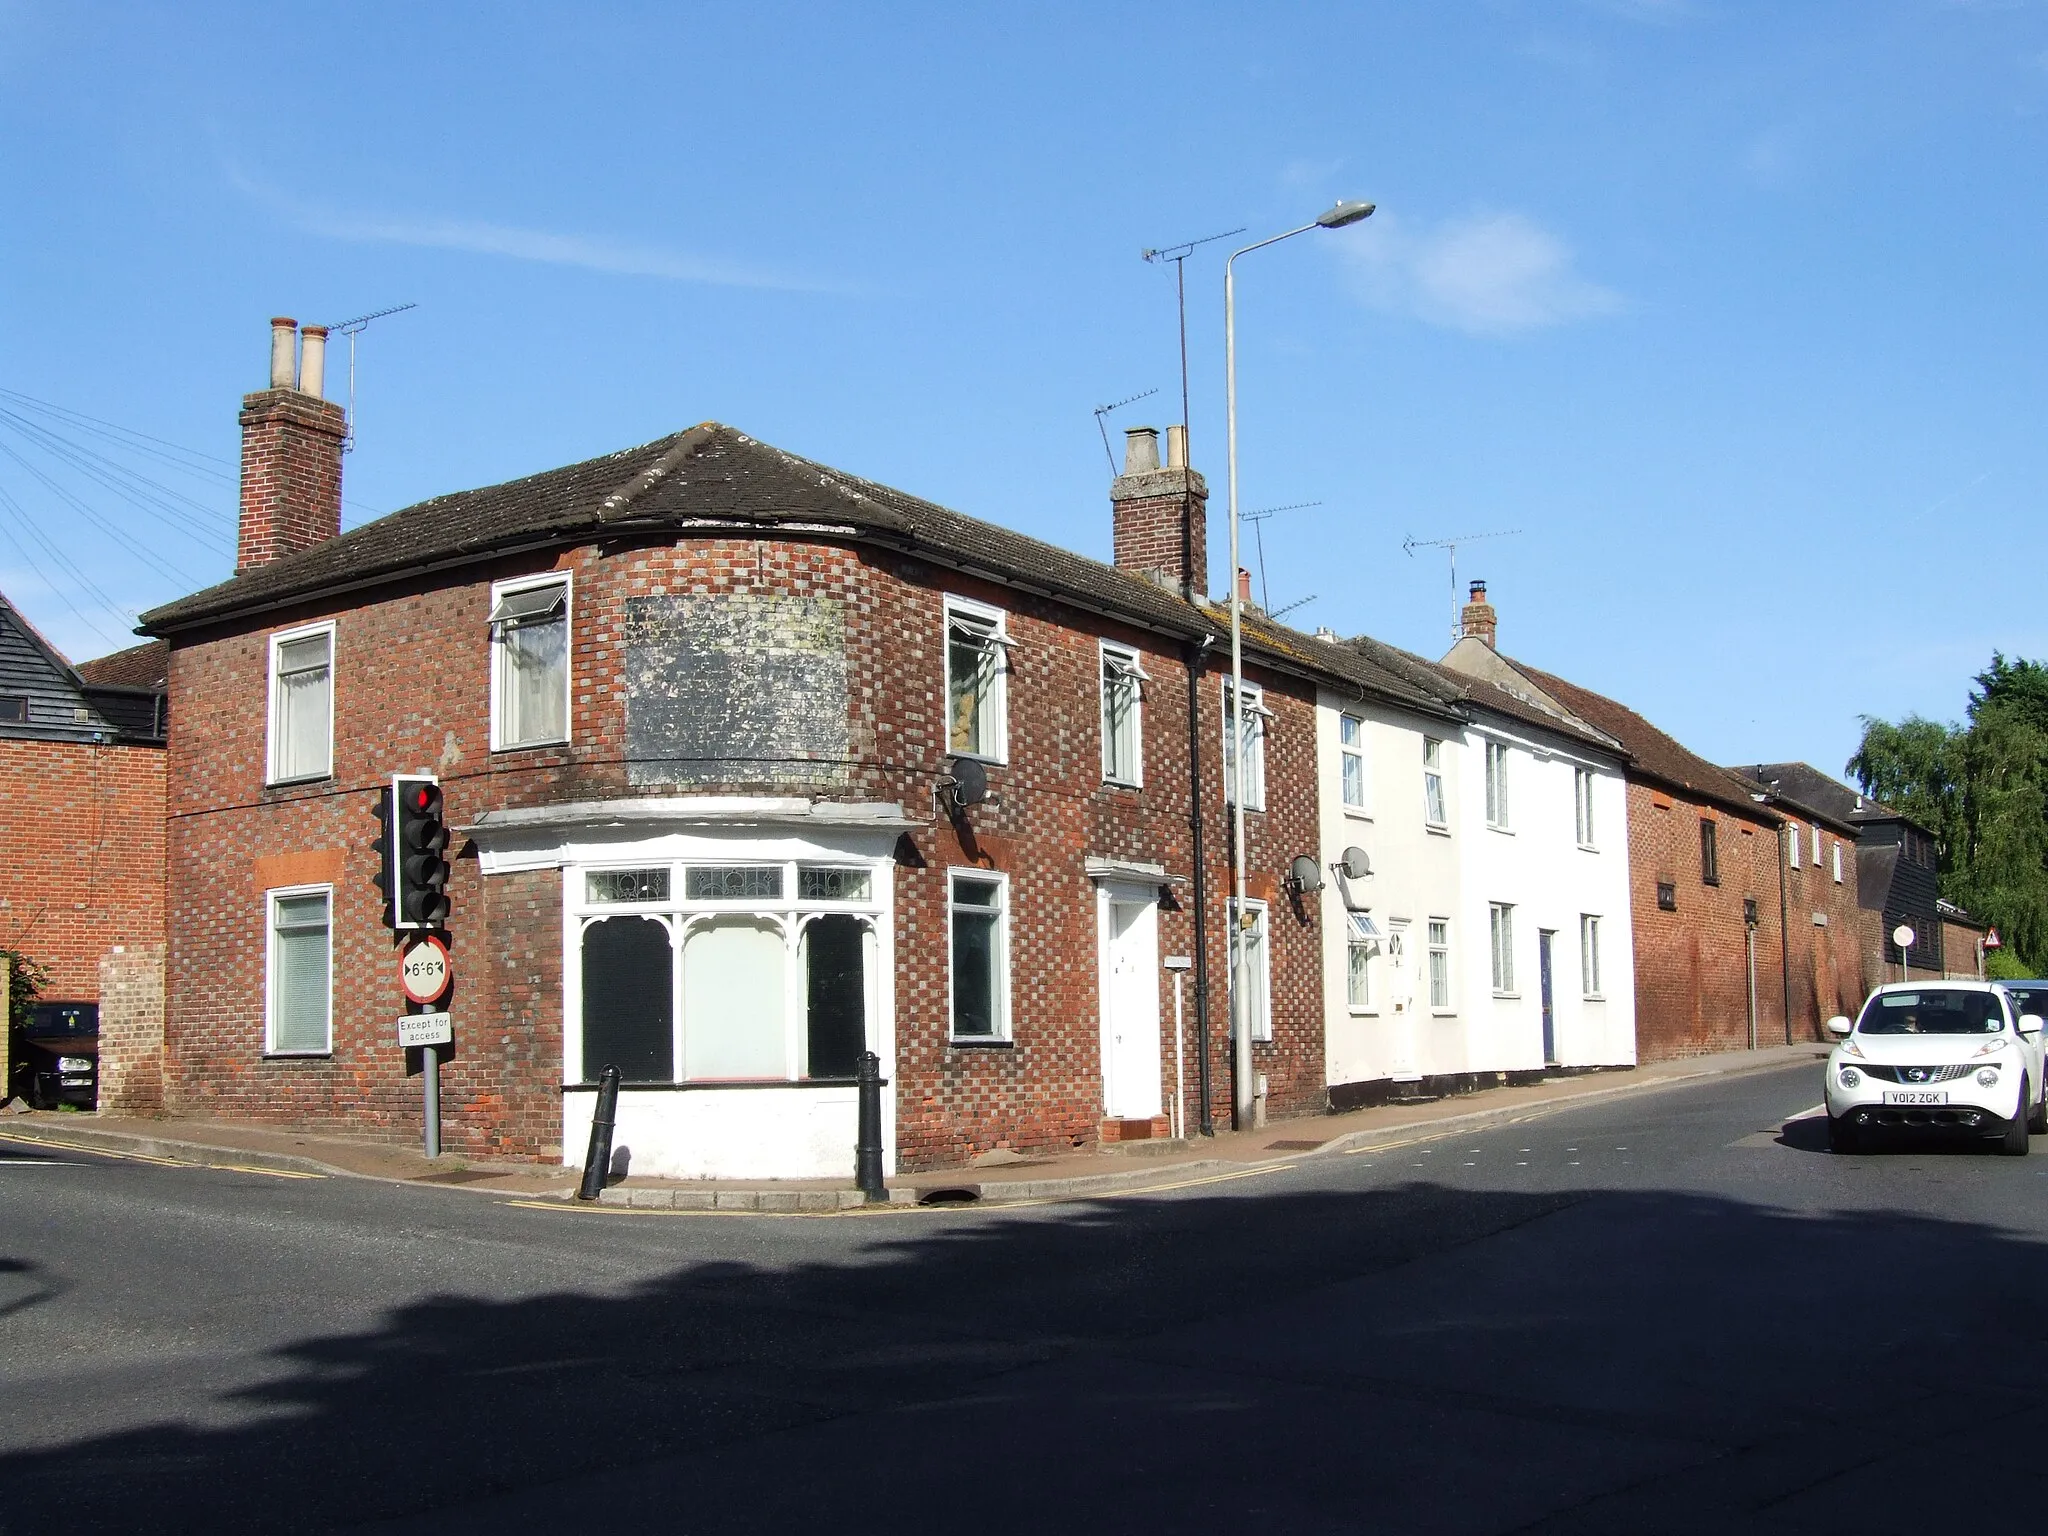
(1345, 213)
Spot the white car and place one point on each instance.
(1937, 1057)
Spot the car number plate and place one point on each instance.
(1913, 1096)
(74, 1063)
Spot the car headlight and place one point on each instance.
(1851, 1048)
(1988, 1076)
(1851, 1077)
(1992, 1047)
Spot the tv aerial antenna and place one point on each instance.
(1258, 521)
(352, 329)
(1102, 411)
(1159, 256)
(1410, 544)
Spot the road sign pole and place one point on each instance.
(430, 1077)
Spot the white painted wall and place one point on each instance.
(724, 1133)
(1415, 878)
(1539, 868)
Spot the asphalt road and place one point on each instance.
(1664, 1312)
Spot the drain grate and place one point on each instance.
(1294, 1146)
(453, 1176)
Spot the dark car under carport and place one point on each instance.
(55, 1058)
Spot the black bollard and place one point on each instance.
(867, 1144)
(597, 1162)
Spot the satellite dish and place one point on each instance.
(970, 781)
(1304, 875)
(1356, 866)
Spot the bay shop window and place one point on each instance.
(724, 973)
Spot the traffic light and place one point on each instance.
(417, 870)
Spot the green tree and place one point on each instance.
(1982, 788)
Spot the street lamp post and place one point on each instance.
(1337, 217)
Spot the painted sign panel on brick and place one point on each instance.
(720, 689)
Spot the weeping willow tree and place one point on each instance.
(1982, 787)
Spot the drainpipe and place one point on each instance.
(1784, 940)
(1200, 893)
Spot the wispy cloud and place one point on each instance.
(1488, 274)
(592, 253)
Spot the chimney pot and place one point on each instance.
(1244, 587)
(284, 352)
(313, 360)
(1176, 447)
(1141, 450)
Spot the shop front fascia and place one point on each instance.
(732, 956)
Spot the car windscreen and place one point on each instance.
(1932, 1011)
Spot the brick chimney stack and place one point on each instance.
(1160, 513)
(291, 453)
(1479, 621)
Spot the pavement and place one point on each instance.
(1131, 1166)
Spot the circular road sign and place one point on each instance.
(423, 971)
(1901, 936)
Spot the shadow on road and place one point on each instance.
(1326, 1361)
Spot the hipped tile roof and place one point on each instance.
(711, 477)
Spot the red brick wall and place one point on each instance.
(1827, 957)
(83, 830)
(1691, 970)
(412, 693)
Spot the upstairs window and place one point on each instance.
(977, 668)
(1251, 730)
(1123, 704)
(1710, 853)
(1792, 843)
(1351, 751)
(1497, 785)
(530, 662)
(13, 709)
(1816, 847)
(302, 704)
(1582, 797)
(1837, 851)
(1433, 782)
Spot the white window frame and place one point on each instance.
(270, 899)
(1434, 771)
(1367, 943)
(1589, 957)
(1351, 765)
(278, 641)
(1123, 659)
(1816, 845)
(1582, 806)
(499, 591)
(1496, 768)
(1262, 1020)
(1004, 1030)
(1836, 850)
(1500, 926)
(1792, 842)
(1254, 714)
(1435, 950)
(998, 705)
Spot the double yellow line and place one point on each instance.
(160, 1162)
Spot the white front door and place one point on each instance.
(1404, 1042)
(1130, 1006)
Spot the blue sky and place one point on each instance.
(1734, 311)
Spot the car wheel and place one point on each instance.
(2014, 1142)
(1842, 1136)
